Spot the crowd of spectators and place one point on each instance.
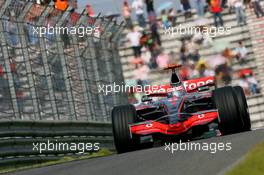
(144, 38)
(13, 36)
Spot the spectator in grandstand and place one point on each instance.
(173, 58)
(165, 19)
(90, 14)
(253, 84)
(17, 83)
(49, 23)
(65, 36)
(134, 40)
(248, 81)
(241, 53)
(31, 35)
(223, 74)
(201, 39)
(126, 11)
(150, 6)
(240, 14)
(154, 32)
(194, 56)
(146, 56)
(163, 60)
(191, 46)
(66, 41)
(230, 5)
(216, 10)
(12, 31)
(247, 3)
(172, 16)
(61, 5)
(153, 63)
(244, 84)
(185, 72)
(204, 70)
(141, 74)
(257, 8)
(4, 87)
(198, 36)
(89, 10)
(229, 55)
(223, 4)
(187, 8)
(74, 16)
(199, 5)
(183, 52)
(138, 6)
(147, 41)
(193, 72)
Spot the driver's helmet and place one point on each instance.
(177, 93)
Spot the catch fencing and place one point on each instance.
(56, 75)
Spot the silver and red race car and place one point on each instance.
(183, 110)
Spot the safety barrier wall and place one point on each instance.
(19, 138)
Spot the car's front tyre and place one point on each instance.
(243, 108)
(122, 116)
(226, 101)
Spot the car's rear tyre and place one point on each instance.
(122, 116)
(243, 108)
(226, 102)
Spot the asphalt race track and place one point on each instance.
(157, 161)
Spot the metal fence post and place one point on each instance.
(46, 65)
(92, 47)
(7, 63)
(108, 59)
(26, 56)
(116, 61)
(81, 70)
(109, 65)
(64, 66)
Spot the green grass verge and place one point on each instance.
(253, 164)
(19, 167)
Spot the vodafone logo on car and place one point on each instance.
(189, 85)
(193, 84)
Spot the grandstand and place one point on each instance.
(252, 37)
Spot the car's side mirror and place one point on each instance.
(203, 88)
(146, 98)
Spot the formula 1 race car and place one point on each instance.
(183, 110)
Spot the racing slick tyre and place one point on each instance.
(122, 116)
(226, 102)
(243, 108)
